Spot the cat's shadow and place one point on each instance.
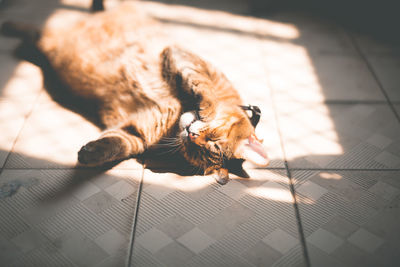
(159, 161)
(55, 88)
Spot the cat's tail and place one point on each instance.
(24, 31)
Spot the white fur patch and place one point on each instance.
(186, 119)
(196, 127)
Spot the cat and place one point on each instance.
(146, 89)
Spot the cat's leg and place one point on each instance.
(131, 135)
(185, 70)
(113, 145)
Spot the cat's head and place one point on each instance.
(230, 134)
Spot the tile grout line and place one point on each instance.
(26, 117)
(375, 76)
(291, 185)
(135, 219)
(347, 170)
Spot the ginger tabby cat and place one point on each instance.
(146, 89)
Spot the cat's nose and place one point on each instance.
(191, 134)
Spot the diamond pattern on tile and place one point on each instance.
(384, 190)
(354, 256)
(120, 190)
(153, 240)
(365, 240)
(233, 189)
(175, 226)
(195, 240)
(29, 240)
(261, 255)
(63, 223)
(111, 242)
(8, 252)
(86, 190)
(312, 190)
(334, 182)
(320, 258)
(339, 136)
(280, 241)
(215, 228)
(379, 141)
(388, 159)
(99, 202)
(41, 144)
(226, 221)
(174, 254)
(340, 227)
(80, 249)
(325, 240)
(158, 191)
(340, 215)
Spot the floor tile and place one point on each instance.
(387, 69)
(61, 216)
(153, 240)
(312, 190)
(280, 241)
(174, 254)
(196, 240)
(9, 252)
(261, 255)
(297, 73)
(365, 240)
(325, 240)
(373, 46)
(112, 241)
(234, 189)
(176, 226)
(216, 226)
(340, 227)
(51, 138)
(350, 255)
(20, 86)
(81, 250)
(339, 136)
(387, 191)
(226, 221)
(121, 189)
(86, 190)
(29, 240)
(320, 258)
(354, 221)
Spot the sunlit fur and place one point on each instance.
(142, 84)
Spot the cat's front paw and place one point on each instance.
(97, 152)
(221, 176)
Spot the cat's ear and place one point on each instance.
(252, 149)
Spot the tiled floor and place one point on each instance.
(330, 103)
